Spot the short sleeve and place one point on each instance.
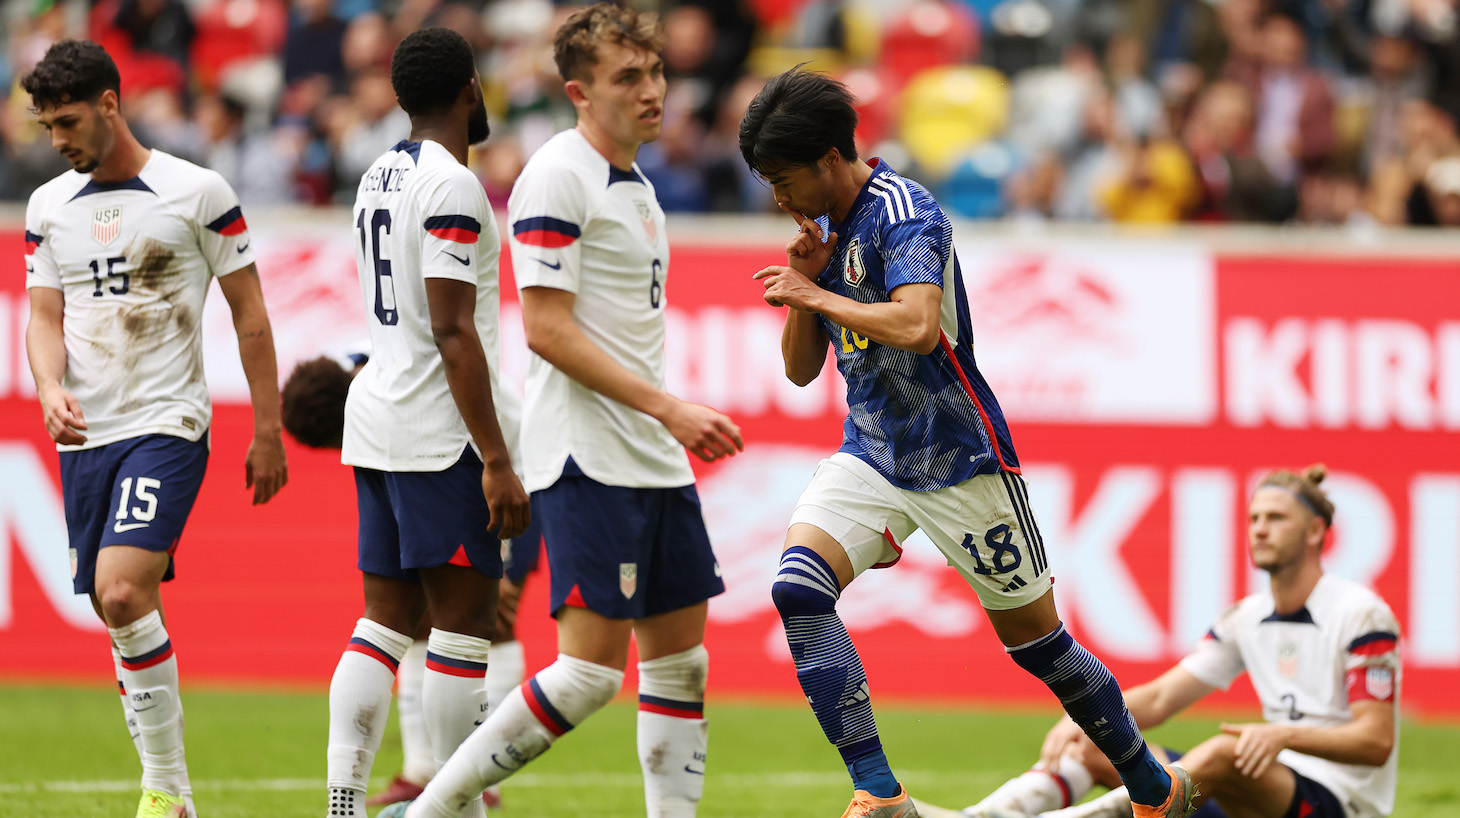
(547, 211)
(40, 263)
(1216, 660)
(1371, 655)
(452, 216)
(916, 241)
(224, 238)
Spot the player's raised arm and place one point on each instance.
(266, 468)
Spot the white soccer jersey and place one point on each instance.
(133, 261)
(419, 214)
(579, 224)
(1340, 647)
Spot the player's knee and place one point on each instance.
(123, 602)
(805, 585)
(678, 676)
(1213, 761)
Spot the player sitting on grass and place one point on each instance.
(1323, 655)
(314, 413)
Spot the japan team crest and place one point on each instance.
(106, 224)
(628, 578)
(853, 271)
(647, 217)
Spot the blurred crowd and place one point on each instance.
(1339, 112)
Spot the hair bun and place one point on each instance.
(1315, 473)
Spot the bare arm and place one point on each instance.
(453, 326)
(1368, 739)
(46, 347)
(266, 469)
(547, 316)
(803, 346)
(1150, 704)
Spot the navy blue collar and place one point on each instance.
(617, 175)
(1300, 616)
(93, 186)
(413, 149)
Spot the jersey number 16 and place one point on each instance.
(385, 309)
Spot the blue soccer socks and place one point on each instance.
(1092, 698)
(827, 665)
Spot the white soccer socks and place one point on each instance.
(149, 677)
(359, 711)
(504, 674)
(529, 720)
(455, 693)
(673, 733)
(1039, 790)
(415, 740)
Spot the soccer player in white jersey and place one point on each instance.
(433, 473)
(873, 273)
(120, 252)
(604, 444)
(1323, 656)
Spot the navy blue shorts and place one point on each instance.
(1313, 800)
(520, 554)
(135, 492)
(625, 553)
(411, 520)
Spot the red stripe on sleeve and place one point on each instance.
(545, 238)
(456, 234)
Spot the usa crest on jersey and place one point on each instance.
(628, 578)
(853, 271)
(106, 224)
(647, 217)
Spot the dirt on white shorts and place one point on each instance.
(983, 526)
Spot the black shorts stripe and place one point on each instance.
(1037, 536)
(1026, 523)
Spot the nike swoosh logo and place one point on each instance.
(121, 529)
(498, 763)
(691, 771)
(557, 266)
(455, 256)
(240, 248)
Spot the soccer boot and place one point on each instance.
(399, 789)
(1177, 803)
(158, 804)
(866, 805)
(396, 810)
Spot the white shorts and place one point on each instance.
(983, 526)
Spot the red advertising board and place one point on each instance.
(1148, 386)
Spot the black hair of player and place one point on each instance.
(314, 403)
(429, 69)
(72, 71)
(795, 121)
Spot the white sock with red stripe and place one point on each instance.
(415, 740)
(149, 675)
(454, 694)
(359, 710)
(504, 675)
(530, 719)
(1039, 790)
(673, 733)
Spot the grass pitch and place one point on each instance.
(65, 754)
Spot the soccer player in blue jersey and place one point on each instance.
(872, 271)
(120, 253)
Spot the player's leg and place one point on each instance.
(1003, 559)
(359, 701)
(842, 526)
(418, 762)
(677, 574)
(153, 485)
(1277, 792)
(589, 528)
(509, 663)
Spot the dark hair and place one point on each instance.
(72, 71)
(1304, 487)
(429, 69)
(795, 120)
(575, 45)
(314, 403)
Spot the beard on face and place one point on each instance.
(477, 129)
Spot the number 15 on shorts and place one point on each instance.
(144, 513)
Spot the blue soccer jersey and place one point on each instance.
(924, 422)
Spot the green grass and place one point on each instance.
(64, 753)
